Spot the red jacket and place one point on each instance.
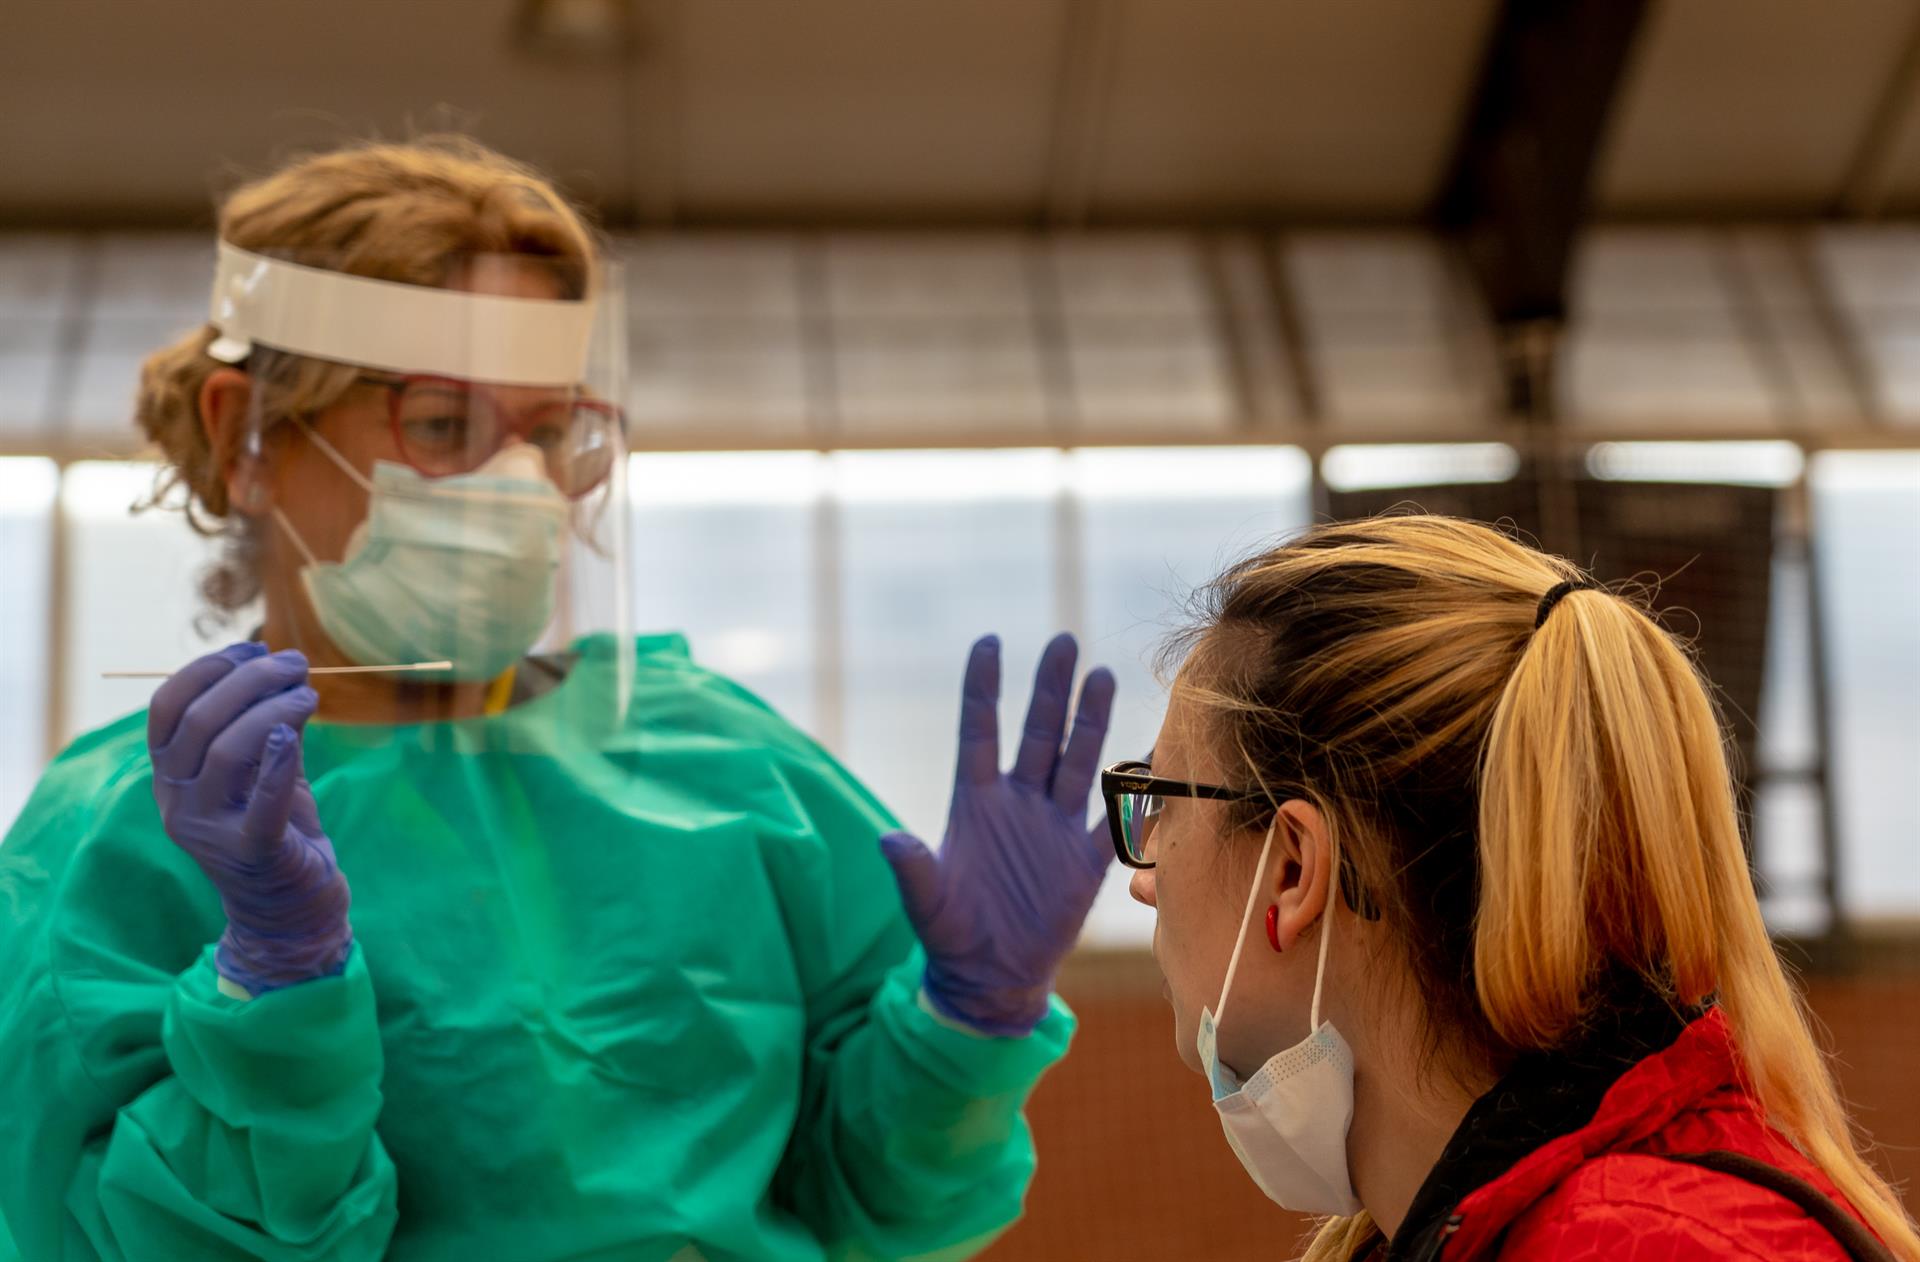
(1539, 1171)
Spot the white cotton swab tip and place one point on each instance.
(311, 670)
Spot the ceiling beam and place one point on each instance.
(1518, 187)
(1865, 188)
(1082, 101)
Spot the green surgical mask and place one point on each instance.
(462, 569)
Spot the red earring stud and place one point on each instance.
(1273, 925)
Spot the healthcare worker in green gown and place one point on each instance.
(442, 919)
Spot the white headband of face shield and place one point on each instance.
(395, 327)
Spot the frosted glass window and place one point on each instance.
(1364, 466)
(1142, 336)
(1867, 530)
(936, 549)
(38, 273)
(1874, 276)
(879, 277)
(37, 282)
(1655, 336)
(27, 368)
(27, 490)
(107, 377)
(715, 323)
(1813, 379)
(133, 587)
(1154, 524)
(686, 382)
(934, 332)
(725, 550)
(150, 291)
(158, 274)
(1385, 334)
(1786, 826)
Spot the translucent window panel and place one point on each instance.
(1867, 532)
(1361, 466)
(1154, 525)
(38, 274)
(879, 277)
(1789, 739)
(936, 549)
(1253, 323)
(969, 375)
(675, 279)
(1766, 463)
(1778, 278)
(1142, 336)
(1121, 274)
(133, 591)
(724, 380)
(934, 332)
(1874, 276)
(1144, 376)
(27, 490)
(28, 363)
(38, 278)
(725, 549)
(1385, 334)
(106, 381)
(716, 328)
(1792, 872)
(150, 290)
(1655, 336)
(159, 274)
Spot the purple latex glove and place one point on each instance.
(224, 734)
(1002, 903)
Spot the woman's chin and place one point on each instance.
(1184, 1032)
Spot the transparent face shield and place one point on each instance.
(433, 480)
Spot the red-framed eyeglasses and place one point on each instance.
(445, 426)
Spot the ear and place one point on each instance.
(1300, 871)
(226, 403)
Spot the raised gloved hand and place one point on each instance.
(1002, 903)
(224, 734)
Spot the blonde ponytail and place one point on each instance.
(1608, 835)
(1537, 807)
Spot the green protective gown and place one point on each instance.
(619, 991)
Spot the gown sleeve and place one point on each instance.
(148, 1115)
(910, 1140)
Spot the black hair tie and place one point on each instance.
(1557, 593)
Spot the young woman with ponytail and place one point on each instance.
(1455, 915)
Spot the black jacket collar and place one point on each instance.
(1543, 1096)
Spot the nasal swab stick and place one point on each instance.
(311, 670)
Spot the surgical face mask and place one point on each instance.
(1288, 1122)
(463, 569)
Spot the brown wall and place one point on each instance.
(1133, 1167)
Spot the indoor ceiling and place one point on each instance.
(1061, 112)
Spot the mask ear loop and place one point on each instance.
(327, 449)
(294, 535)
(1326, 932)
(1246, 918)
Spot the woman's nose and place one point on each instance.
(1141, 887)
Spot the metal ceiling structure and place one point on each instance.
(989, 112)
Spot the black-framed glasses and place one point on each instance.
(1134, 796)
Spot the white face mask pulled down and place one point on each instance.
(1288, 1122)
